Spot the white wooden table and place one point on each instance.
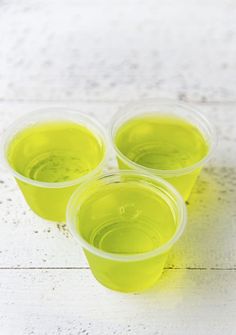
(95, 55)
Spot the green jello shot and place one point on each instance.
(164, 138)
(126, 222)
(50, 152)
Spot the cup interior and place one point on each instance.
(126, 216)
(165, 137)
(54, 146)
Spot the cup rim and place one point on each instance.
(45, 114)
(129, 109)
(180, 204)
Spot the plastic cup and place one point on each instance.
(48, 141)
(126, 223)
(182, 178)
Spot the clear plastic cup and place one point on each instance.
(182, 178)
(126, 223)
(62, 139)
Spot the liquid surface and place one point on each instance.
(158, 142)
(126, 218)
(55, 152)
(57, 166)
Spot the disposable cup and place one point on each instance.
(126, 223)
(50, 152)
(183, 177)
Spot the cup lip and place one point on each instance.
(47, 114)
(70, 218)
(129, 110)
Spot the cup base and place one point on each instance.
(129, 290)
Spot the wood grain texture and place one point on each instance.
(46, 286)
(70, 302)
(102, 49)
(94, 55)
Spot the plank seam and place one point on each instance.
(88, 268)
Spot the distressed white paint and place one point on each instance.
(93, 55)
(70, 302)
(47, 288)
(119, 49)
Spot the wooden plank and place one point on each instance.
(71, 302)
(110, 52)
(118, 50)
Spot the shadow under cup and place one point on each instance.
(50, 152)
(141, 143)
(126, 223)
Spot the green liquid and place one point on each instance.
(164, 143)
(55, 152)
(126, 218)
